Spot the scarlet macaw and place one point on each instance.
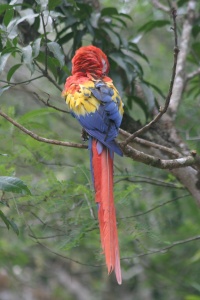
(95, 102)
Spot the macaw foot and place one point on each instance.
(84, 135)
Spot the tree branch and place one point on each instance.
(179, 81)
(128, 150)
(21, 82)
(165, 249)
(192, 74)
(160, 6)
(155, 207)
(150, 181)
(45, 39)
(149, 144)
(46, 103)
(161, 163)
(45, 74)
(167, 101)
(39, 138)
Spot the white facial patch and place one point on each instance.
(104, 68)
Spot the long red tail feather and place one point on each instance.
(102, 165)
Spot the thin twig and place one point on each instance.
(58, 254)
(155, 207)
(21, 82)
(162, 110)
(39, 138)
(150, 181)
(47, 237)
(161, 250)
(151, 144)
(90, 207)
(45, 74)
(193, 74)
(48, 104)
(45, 38)
(165, 249)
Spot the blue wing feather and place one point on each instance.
(103, 124)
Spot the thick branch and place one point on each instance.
(161, 163)
(184, 47)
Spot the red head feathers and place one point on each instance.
(90, 60)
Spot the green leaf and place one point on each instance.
(27, 57)
(113, 36)
(142, 105)
(126, 16)
(135, 49)
(14, 226)
(12, 71)
(8, 16)
(84, 10)
(52, 63)
(148, 95)
(13, 184)
(9, 223)
(57, 52)
(108, 11)
(53, 3)
(196, 30)
(4, 88)
(134, 64)
(3, 61)
(153, 24)
(196, 48)
(120, 20)
(181, 2)
(43, 4)
(10, 50)
(4, 7)
(119, 59)
(5, 219)
(28, 16)
(66, 38)
(139, 113)
(36, 47)
(157, 89)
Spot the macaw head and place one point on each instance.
(90, 60)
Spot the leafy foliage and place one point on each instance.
(12, 184)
